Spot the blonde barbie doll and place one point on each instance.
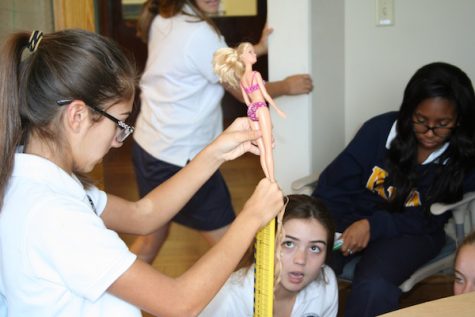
(234, 67)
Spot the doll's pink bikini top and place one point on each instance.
(251, 88)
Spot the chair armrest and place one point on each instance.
(459, 211)
(310, 180)
(440, 208)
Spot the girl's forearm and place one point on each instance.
(276, 88)
(208, 275)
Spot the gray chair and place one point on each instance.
(462, 222)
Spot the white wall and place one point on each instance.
(328, 71)
(380, 60)
(359, 69)
(290, 53)
(309, 41)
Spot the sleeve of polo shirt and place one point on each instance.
(98, 197)
(331, 293)
(69, 245)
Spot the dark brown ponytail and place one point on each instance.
(10, 123)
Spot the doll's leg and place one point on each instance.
(260, 145)
(266, 127)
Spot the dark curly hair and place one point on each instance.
(435, 80)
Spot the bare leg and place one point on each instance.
(266, 128)
(147, 247)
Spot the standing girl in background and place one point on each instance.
(234, 67)
(464, 279)
(306, 286)
(66, 101)
(181, 112)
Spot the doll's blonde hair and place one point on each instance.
(227, 64)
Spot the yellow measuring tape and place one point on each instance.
(264, 271)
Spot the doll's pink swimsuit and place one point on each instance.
(252, 109)
(251, 88)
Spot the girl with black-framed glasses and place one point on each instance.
(60, 251)
(380, 187)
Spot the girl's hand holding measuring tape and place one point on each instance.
(267, 199)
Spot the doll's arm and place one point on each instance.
(267, 97)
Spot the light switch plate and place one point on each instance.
(384, 12)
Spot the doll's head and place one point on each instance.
(246, 53)
(464, 268)
(229, 65)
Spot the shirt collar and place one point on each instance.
(38, 169)
(432, 157)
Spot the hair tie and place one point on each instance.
(34, 40)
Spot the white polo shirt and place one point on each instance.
(180, 94)
(236, 297)
(57, 258)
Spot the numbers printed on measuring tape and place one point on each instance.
(264, 271)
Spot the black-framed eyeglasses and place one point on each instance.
(441, 132)
(125, 129)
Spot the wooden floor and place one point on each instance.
(185, 246)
